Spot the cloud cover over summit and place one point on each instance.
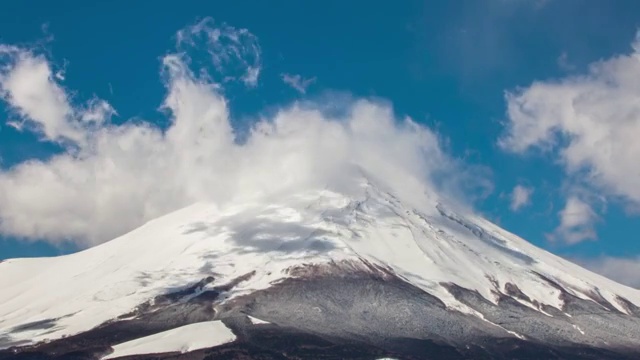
(108, 178)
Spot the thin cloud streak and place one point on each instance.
(297, 82)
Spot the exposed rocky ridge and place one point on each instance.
(360, 311)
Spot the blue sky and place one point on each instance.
(446, 64)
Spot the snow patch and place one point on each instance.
(256, 321)
(183, 339)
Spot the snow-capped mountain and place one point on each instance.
(365, 274)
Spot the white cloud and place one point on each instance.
(577, 221)
(623, 270)
(520, 197)
(297, 82)
(590, 124)
(28, 85)
(116, 177)
(592, 120)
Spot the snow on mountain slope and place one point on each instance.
(257, 321)
(183, 339)
(48, 298)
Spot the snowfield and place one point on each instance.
(183, 339)
(430, 246)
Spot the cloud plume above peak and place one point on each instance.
(116, 177)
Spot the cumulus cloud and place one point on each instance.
(577, 220)
(623, 270)
(591, 121)
(112, 178)
(520, 197)
(297, 82)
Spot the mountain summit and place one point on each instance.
(315, 274)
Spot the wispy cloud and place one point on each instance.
(564, 63)
(520, 197)
(297, 82)
(234, 52)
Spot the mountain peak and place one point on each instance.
(463, 264)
